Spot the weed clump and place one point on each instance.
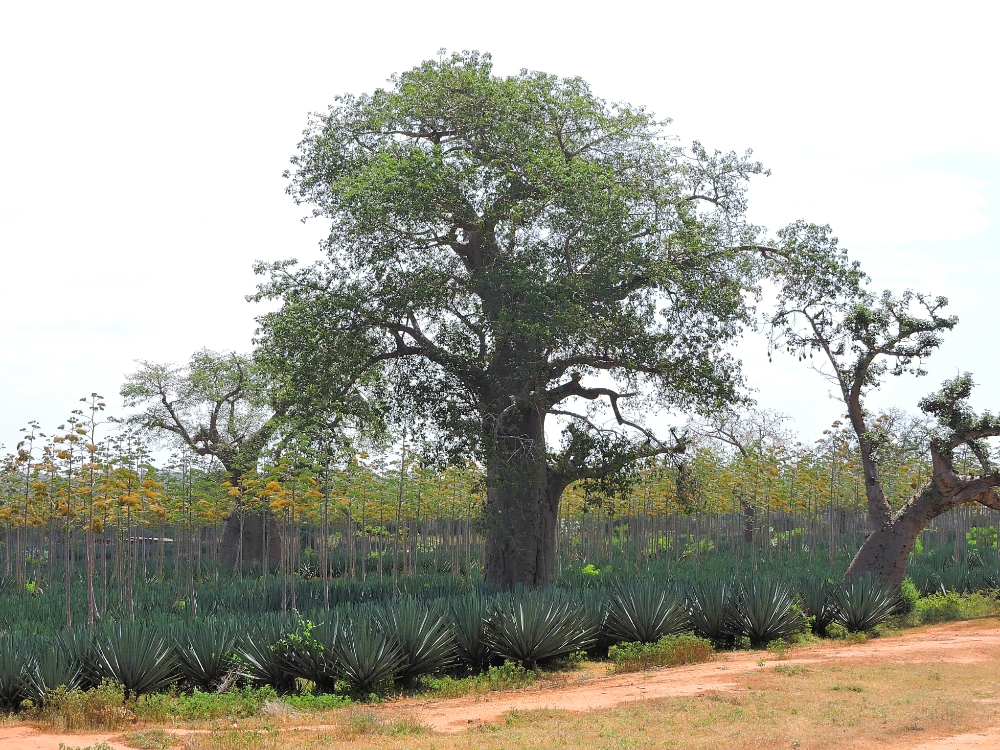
(669, 651)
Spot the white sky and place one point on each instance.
(142, 145)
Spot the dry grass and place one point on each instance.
(815, 706)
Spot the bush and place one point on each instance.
(669, 651)
(510, 676)
(710, 610)
(953, 606)
(530, 627)
(908, 596)
(237, 703)
(102, 707)
(323, 702)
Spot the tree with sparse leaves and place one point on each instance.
(824, 308)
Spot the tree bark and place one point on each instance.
(886, 551)
(253, 537)
(522, 502)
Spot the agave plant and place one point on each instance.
(644, 612)
(367, 655)
(764, 610)
(815, 593)
(206, 653)
(425, 635)
(79, 646)
(15, 660)
(529, 627)
(264, 655)
(468, 617)
(310, 652)
(709, 604)
(864, 602)
(52, 666)
(137, 656)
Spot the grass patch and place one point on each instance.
(366, 722)
(952, 606)
(322, 702)
(791, 670)
(669, 651)
(236, 703)
(152, 739)
(102, 707)
(510, 676)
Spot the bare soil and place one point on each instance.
(591, 688)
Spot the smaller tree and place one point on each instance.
(217, 405)
(824, 308)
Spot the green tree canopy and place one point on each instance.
(504, 248)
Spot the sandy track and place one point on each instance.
(955, 643)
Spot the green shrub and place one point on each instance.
(152, 739)
(205, 653)
(954, 606)
(322, 702)
(367, 656)
(710, 610)
(531, 627)
(669, 651)
(137, 656)
(764, 610)
(102, 707)
(236, 703)
(424, 634)
(908, 596)
(510, 676)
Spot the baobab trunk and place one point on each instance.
(885, 553)
(253, 538)
(522, 502)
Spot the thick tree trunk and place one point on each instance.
(253, 538)
(886, 551)
(522, 502)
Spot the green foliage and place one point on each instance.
(469, 615)
(235, 703)
(101, 707)
(322, 702)
(533, 626)
(509, 676)
(864, 602)
(152, 739)
(952, 606)
(764, 610)
(644, 612)
(669, 651)
(908, 596)
(52, 666)
(816, 597)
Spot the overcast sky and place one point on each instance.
(142, 146)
